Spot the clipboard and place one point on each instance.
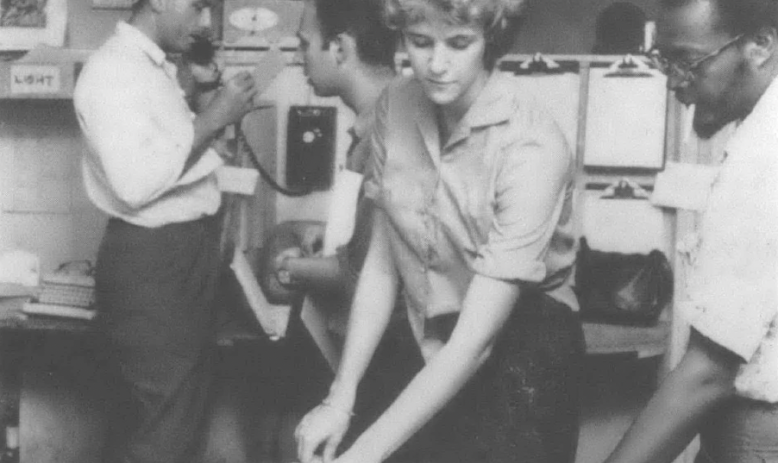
(539, 64)
(625, 116)
(619, 217)
(559, 83)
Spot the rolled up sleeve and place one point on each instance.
(733, 288)
(531, 188)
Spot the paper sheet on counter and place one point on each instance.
(19, 268)
(342, 211)
(684, 185)
(274, 319)
(238, 180)
(340, 228)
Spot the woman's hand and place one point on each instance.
(353, 455)
(324, 425)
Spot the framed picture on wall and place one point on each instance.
(260, 23)
(25, 24)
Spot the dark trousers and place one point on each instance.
(523, 404)
(155, 291)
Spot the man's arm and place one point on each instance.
(703, 379)
(233, 101)
(141, 158)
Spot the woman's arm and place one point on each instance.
(486, 308)
(370, 313)
(672, 418)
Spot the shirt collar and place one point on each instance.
(492, 106)
(362, 123)
(133, 36)
(750, 135)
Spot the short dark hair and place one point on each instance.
(739, 16)
(619, 29)
(363, 20)
(138, 5)
(500, 19)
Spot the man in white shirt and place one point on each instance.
(722, 56)
(150, 168)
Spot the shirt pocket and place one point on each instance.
(472, 204)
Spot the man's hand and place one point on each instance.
(313, 240)
(233, 100)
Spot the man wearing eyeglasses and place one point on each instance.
(722, 57)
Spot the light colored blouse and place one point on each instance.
(495, 200)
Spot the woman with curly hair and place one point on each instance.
(473, 190)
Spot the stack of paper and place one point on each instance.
(55, 310)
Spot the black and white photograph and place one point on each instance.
(388, 231)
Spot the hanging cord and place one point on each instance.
(244, 146)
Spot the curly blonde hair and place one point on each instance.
(499, 19)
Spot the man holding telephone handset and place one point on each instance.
(150, 168)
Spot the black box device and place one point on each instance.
(310, 147)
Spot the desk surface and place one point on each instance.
(43, 324)
(600, 338)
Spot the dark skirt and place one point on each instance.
(155, 289)
(523, 404)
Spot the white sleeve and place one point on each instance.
(122, 117)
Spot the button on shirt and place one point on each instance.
(733, 274)
(140, 130)
(495, 200)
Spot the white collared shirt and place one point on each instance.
(733, 278)
(140, 132)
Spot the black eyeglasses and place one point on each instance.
(686, 70)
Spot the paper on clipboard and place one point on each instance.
(684, 185)
(622, 225)
(625, 120)
(560, 96)
(274, 319)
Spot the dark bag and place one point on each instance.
(622, 289)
